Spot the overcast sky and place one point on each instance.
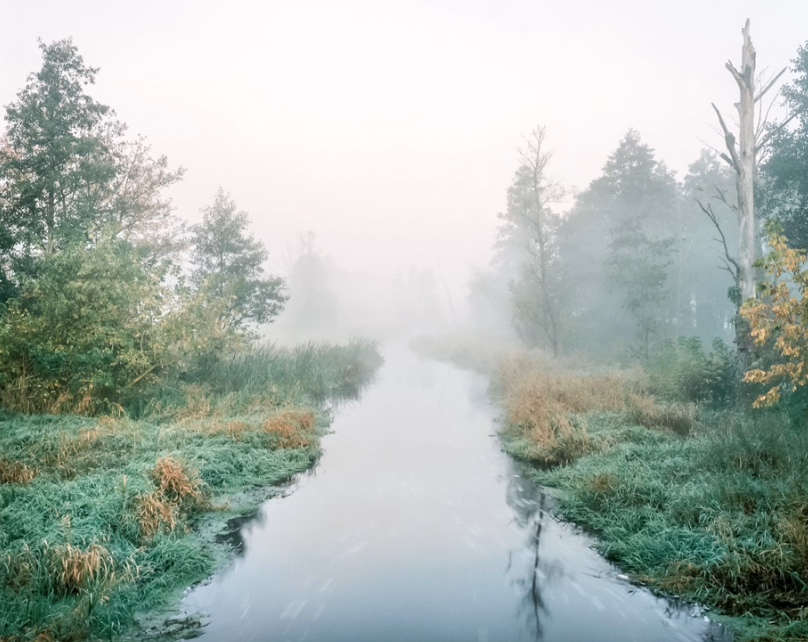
(390, 129)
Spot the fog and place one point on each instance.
(390, 130)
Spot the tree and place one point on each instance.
(228, 265)
(780, 317)
(136, 209)
(708, 302)
(742, 158)
(55, 161)
(530, 226)
(635, 194)
(784, 196)
(638, 265)
(95, 327)
(314, 306)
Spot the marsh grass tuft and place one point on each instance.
(15, 472)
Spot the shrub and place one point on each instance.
(76, 340)
(685, 372)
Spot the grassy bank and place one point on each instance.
(706, 504)
(103, 519)
(690, 495)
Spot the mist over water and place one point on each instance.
(213, 214)
(415, 526)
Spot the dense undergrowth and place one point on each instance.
(687, 488)
(104, 518)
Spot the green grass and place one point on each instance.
(81, 555)
(720, 517)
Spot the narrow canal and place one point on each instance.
(416, 527)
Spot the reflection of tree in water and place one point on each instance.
(531, 517)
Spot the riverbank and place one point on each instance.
(105, 519)
(710, 505)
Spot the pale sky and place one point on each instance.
(391, 129)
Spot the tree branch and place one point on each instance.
(731, 264)
(770, 84)
(764, 141)
(729, 140)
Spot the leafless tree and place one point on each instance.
(742, 154)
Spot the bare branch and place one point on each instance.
(770, 84)
(764, 141)
(721, 195)
(735, 73)
(729, 140)
(731, 264)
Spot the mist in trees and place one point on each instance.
(103, 289)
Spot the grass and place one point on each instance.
(687, 489)
(709, 505)
(720, 517)
(104, 519)
(547, 407)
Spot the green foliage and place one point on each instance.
(75, 339)
(718, 518)
(638, 266)
(228, 265)
(684, 372)
(55, 159)
(785, 170)
(617, 236)
(97, 491)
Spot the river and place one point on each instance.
(414, 526)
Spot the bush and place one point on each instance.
(684, 372)
(77, 339)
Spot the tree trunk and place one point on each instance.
(746, 167)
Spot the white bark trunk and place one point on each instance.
(746, 167)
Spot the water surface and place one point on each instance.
(414, 526)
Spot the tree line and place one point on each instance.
(641, 258)
(104, 290)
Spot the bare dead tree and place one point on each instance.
(742, 154)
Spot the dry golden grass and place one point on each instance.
(175, 483)
(155, 514)
(15, 472)
(540, 403)
(293, 428)
(73, 569)
(546, 401)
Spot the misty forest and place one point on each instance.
(597, 431)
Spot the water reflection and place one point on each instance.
(415, 526)
(531, 586)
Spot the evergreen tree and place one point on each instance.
(635, 195)
(785, 170)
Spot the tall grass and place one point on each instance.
(546, 406)
(101, 518)
(693, 499)
(310, 373)
(721, 517)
